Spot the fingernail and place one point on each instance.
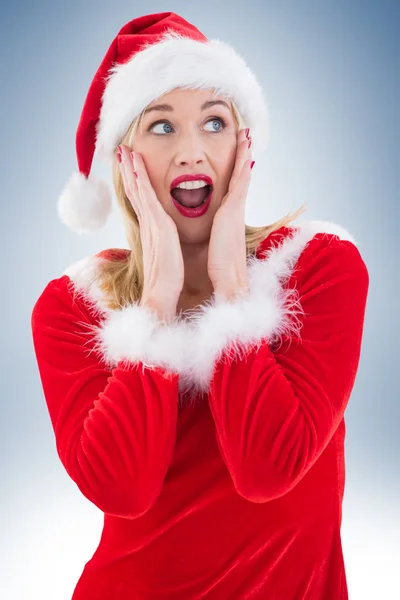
(247, 132)
(119, 157)
(252, 164)
(135, 173)
(249, 144)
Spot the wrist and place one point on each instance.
(165, 310)
(231, 293)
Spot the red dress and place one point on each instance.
(214, 445)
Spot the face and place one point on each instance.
(187, 140)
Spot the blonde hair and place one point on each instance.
(122, 280)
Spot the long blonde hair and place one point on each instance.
(122, 280)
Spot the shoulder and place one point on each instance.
(291, 242)
(298, 236)
(78, 282)
(306, 270)
(323, 247)
(82, 272)
(329, 244)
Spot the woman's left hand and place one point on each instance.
(227, 266)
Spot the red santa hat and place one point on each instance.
(150, 56)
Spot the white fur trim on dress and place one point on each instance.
(132, 334)
(178, 61)
(190, 347)
(85, 204)
(268, 311)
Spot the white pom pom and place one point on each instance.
(84, 204)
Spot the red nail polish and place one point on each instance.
(135, 174)
(247, 132)
(119, 157)
(252, 164)
(249, 144)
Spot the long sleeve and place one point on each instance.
(115, 428)
(277, 406)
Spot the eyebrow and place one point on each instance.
(169, 108)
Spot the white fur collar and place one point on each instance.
(191, 346)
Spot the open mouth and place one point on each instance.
(191, 198)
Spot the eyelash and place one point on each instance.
(223, 123)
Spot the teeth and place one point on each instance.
(191, 185)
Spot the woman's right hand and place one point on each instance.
(162, 255)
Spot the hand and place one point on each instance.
(162, 256)
(227, 266)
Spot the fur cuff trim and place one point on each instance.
(135, 334)
(269, 311)
(191, 346)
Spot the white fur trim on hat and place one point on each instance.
(84, 204)
(178, 61)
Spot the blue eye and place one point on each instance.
(159, 123)
(221, 121)
(217, 120)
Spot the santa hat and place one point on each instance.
(150, 56)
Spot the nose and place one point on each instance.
(189, 150)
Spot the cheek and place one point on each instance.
(154, 170)
(231, 159)
(228, 164)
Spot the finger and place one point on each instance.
(144, 184)
(242, 154)
(129, 179)
(127, 164)
(236, 200)
(244, 181)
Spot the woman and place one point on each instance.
(197, 382)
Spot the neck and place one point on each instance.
(197, 282)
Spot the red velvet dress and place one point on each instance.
(213, 445)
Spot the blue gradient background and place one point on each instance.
(330, 72)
